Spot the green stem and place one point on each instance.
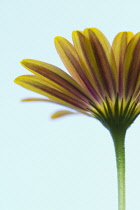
(119, 144)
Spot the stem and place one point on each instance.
(119, 144)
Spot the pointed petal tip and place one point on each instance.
(24, 61)
(31, 100)
(16, 80)
(61, 113)
(58, 38)
(26, 99)
(27, 60)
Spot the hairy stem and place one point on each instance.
(119, 144)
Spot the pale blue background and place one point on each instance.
(66, 164)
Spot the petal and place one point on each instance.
(132, 67)
(81, 44)
(37, 99)
(55, 76)
(56, 102)
(102, 59)
(38, 85)
(71, 60)
(61, 113)
(66, 52)
(119, 46)
(136, 94)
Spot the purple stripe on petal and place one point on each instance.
(43, 71)
(84, 58)
(122, 53)
(103, 64)
(82, 75)
(134, 71)
(54, 92)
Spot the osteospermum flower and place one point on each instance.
(104, 83)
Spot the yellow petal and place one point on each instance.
(119, 46)
(37, 99)
(61, 113)
(38, 85)
(67, 52)
(102, 60)
(56, 77)
(80, 43)
(71, 60)
(132, 66)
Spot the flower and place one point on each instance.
(104, 84)
(104, 81)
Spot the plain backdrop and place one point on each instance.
(69, 163)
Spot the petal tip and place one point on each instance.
(61, 113)
(57, 38)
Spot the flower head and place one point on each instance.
(104, 80)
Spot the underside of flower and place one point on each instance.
(118, 114)
(104, 80)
